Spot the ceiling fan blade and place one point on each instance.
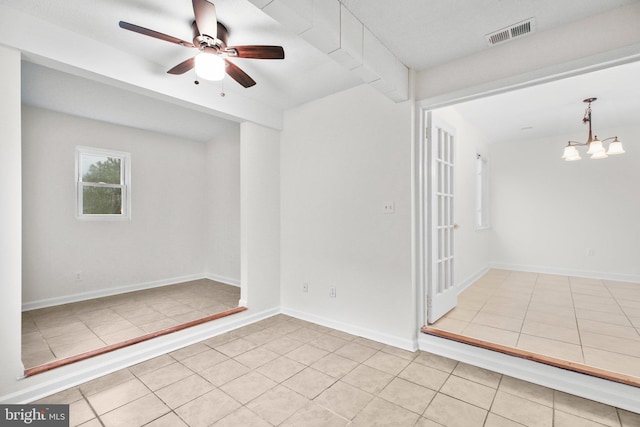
(206, 20)
(256, 52)
(183, 67)
(238, 75)
(155, 34)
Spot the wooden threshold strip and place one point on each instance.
(536, 357)
(83, 356)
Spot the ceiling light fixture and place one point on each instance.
(209, 66)
(596, 149)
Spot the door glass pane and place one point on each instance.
(96, 168)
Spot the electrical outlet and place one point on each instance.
(332, 292)
(305, 287)
(388, 208)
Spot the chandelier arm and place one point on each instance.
(576, 143)
(611, 137)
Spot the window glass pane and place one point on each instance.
(101, 200)
(96, 168)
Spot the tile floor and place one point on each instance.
(595, 322)
(57, 332)
(287, 372)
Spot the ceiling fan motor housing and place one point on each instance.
(218, 43)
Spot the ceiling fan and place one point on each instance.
(210, 38)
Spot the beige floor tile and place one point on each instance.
(380, 412)
(490, 334)
(183, 391)
(334, 365)
(527, 390)
(72, 328)
(585, 408)
(558, 333)
(204, 360)
(435, 361)
(629, 419)
(522, 410)
(64, 397)
(454, 413)
(151, 364)
(424, 375)
(343, 399)
(309, 382)
(166, 375)
(612, 344)
(280, 369)
(136, 413)
(553, 348)
(615, 362)
(599, 316)
(283, 345)
(79, 347)
(497, 321)
(563, 419)
(207, 409)
(314, 415)
(168, 420)
(277, 404)
(307, 354)
(91, 423)
(117, 396)
(369, 343)
(256, 357)
(462, 314)
(424, 422)
(566, 319)
(189, 351)
(451, 325)
(122, 335)
(305, 334)
(356, 352)
(224, 372)
(469, 391)
(476, 374)
(235, 347)
(368, 379)
(494, 420)
(80, 412)
(329, 342)
(409, 395)
(619, 331)
(241, 417)
(387, 363)
(248, 386)
(106, 382)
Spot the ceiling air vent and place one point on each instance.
(511, 32)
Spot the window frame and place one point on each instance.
(125, 183)
(483, 206)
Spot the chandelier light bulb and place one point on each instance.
(615, 147)
(595, 146)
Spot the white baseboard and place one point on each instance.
(42, 385)
(604, 391)
(469, 280)
(395, 341)
(621, 277)
(223, 279)
(83, 296)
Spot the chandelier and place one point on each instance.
(596, 149)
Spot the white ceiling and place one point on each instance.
(556, 108)
(421, 33)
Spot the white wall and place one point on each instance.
(10, 219)
(548, 212)
(471, 245)
(342, 158)
(223, 206)
(260, 216)
(166, 238)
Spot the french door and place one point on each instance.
(440, 163)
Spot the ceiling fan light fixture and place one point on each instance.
(209, 66)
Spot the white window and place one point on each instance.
(482, 192)
(103, 183)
